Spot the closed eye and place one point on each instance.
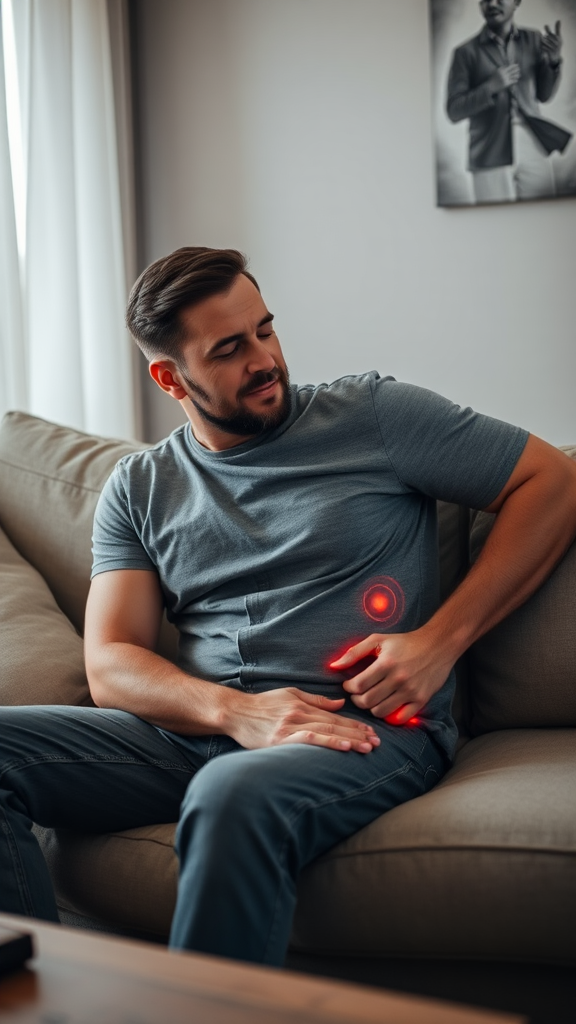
(226, 355)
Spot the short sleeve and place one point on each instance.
(443, 450)
(115, 542)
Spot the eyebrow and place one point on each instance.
(238, 337)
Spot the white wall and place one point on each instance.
(300, 132)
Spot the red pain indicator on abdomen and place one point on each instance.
(383, 600)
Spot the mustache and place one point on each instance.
(259, 379)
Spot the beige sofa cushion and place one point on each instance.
(41, 659)
(50, 479)
(132, 876)
(482, 866)
(523, 672)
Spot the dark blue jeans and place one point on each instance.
(249, 820)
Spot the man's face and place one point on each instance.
(498, 12)
(232, 367)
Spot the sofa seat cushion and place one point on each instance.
(124, 879)
(41, 657)
(482, 866)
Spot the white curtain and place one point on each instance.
(13, 377)
(79, 358)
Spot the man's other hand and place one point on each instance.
(504, 78)
(404, 675)
(290, 715)
(552, 43)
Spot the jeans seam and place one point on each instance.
(32, 761)
(352, 794)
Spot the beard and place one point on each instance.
(239, 420)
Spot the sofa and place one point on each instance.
(474, 881)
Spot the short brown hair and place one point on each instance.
(172, 283)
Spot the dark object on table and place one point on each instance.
(15, 949)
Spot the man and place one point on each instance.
(497, 80)
(290, 534)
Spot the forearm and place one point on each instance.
(547, 80)
(467, 103)
(134, 679)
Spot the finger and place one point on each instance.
(557, 29)
(333, 742)
(358, 651)
(365, 680)
(393, 711)
(318, 700)
(376, 697)
(342, 725)
(405, 715)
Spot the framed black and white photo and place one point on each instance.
(504, 100)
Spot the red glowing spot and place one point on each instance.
(395, 719)
(379, 602)
(383, 600)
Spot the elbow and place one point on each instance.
(98, 685)
(97, 691)
(455, 109)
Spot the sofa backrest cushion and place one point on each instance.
(50, 479)
(41, 660)
(523, 672)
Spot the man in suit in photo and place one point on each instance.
(497, 80)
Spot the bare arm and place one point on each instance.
(535, 525)
(123, 616)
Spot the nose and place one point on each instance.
(260, 358)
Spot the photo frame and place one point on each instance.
(504, 100)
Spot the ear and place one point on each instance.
(165, 374)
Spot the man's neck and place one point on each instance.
(503, 31)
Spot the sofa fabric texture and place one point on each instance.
(483, 866)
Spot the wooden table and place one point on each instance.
(80, 977)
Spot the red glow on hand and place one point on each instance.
(383, 600)
(394, 719)
(351, 643)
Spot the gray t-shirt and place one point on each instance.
(276, 555)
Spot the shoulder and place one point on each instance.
(344, 390)
(321, 404)
(532, 35)
(470, 47)
(155, 459)
(141, 477)
(529, 40)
